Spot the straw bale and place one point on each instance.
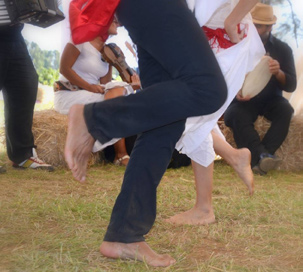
(40, 95)
(291, 151)
(50, 130)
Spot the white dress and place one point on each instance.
(91, 68)
(235, 62)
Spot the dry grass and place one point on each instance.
(49, 222)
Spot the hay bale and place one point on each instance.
(40, 95)
(291, 151)
(50, 130)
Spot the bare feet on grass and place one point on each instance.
(139, 251)
(243, 168)
(193, 216)
(79, 143)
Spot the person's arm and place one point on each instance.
(136, 83)
(274, 68)
(131, 49)
(235, 17)
(68, 58)
(284, 70)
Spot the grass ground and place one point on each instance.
(49, 222)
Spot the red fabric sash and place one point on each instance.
(219, 36)
(91, 18)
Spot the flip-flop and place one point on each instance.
(119, 161)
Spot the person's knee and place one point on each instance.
(220, 90)
(210, 88)
(288, 111)
(230, 116)
(283, 113)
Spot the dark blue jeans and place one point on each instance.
(181, 78)
(19, 84)
(241, 116)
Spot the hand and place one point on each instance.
(274, 66)
(232, 32)
(136, 84)
(94, 88)
(239, 97)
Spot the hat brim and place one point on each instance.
(262, 22)
(256, 80)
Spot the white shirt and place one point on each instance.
(89, 64)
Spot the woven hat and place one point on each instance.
(263, 14)
(256, 80)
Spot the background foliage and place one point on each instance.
(46, 63)
(291, 24)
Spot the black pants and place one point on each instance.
(19, 84)
(240, 117)
(181, 78)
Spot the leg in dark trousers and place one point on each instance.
(240, 117)
(135, 210)
(18, 75)
(279, 112)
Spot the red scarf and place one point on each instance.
(91, 18)
(219, 36)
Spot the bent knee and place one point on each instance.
(210, 88)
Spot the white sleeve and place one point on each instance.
(78, 46)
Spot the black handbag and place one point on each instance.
(42, 13)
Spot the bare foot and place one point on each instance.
(139, 251)
(193, 217)
(79, 143)
(243, 168)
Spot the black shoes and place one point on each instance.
(266, 163)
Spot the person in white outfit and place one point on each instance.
(236, 58)
(82, 81)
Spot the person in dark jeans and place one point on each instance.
(180, 79)
(19, 84)
(270, 103)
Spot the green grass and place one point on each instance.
(49, 222)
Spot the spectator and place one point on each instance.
(82, 70)
(270, 103)
(19, 84)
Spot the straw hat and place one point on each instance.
(256, 80)
(263, 14)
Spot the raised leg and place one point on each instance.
(238, 159)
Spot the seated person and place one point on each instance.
(82, 70)
(270, 103)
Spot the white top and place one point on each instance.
(91, 68)
(89, 64)
(235, 62)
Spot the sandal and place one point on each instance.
(119, 161)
